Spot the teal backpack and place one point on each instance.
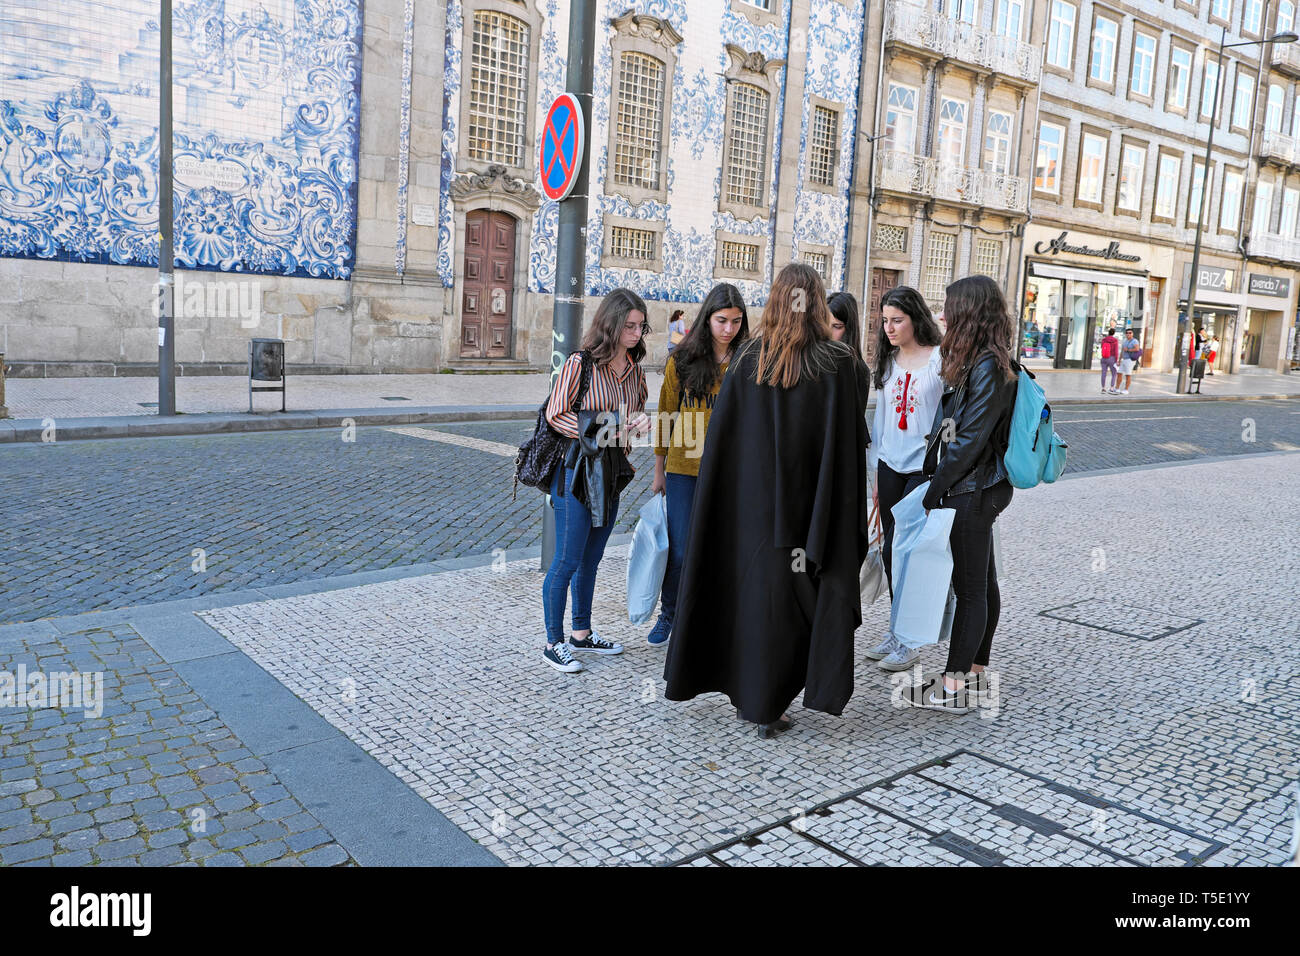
(1035, 453)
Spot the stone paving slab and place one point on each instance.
(155, 778)
(1179, 750)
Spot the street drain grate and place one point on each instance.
(147, 404)
(1145, 624)
(961, 809)
(394, 398)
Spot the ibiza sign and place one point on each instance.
(1058, 245)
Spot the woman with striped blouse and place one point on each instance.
(616, 341)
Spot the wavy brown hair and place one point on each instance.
(978, 322)
(606, 328)
(796, 323)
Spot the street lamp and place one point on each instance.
(1205, 192)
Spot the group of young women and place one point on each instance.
(769, 525)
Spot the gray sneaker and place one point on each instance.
(900, 658)
(884, 648)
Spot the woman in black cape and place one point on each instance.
(770, 598)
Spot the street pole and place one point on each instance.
(571, 246)
(166, 324)
(1190, 314)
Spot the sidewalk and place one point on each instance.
(121, 407)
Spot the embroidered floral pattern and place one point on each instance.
(904, 399)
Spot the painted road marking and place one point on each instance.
(1162, 418)
(465, 441)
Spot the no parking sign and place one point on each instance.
(563, 136)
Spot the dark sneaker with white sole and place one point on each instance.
(932, 695)
(977, 686)
(561, 658)
(593, 643)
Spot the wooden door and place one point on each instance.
(488, 297)
(882, 280)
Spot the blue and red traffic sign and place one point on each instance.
(562, 147)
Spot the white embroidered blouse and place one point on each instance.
(905, 409)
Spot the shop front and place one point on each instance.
(1265, 341)
(1077, 288)
(1216, 322)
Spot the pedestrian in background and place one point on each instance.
(692, 378)
(1211, 352)
(770, 596)
(676, 329)
(908, 388)
(970, 478)
(616, 344)
(1132, 351)
(1109, 362)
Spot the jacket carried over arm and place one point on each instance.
(978, 413)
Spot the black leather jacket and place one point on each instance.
(598, 470)
(981, 413)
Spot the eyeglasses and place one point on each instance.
(636, 327)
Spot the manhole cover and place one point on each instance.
(1145, 624)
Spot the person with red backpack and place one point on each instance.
(1110, 362)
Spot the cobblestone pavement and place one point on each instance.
(155, 778)
(108, 524)
(1146, 709)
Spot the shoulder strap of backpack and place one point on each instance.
(584, 381)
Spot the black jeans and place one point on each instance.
(891, 488)
(974, 576)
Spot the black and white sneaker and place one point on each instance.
(561, 658)
(593, 643)
(931, 695)
(977, 686)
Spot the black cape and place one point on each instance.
(769, 597)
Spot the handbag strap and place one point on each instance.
(584, 380)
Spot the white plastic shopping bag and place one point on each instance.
(647, 560)
(872, 581)
(922, 565)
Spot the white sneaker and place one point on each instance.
(884, 648)
(900, 659)
(1125, 392)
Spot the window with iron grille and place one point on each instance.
(640, 122)
(891, 238)
(821, 262)
(739, 256)
(825, 139)
(988, 257)
(498, 88)
(938, 265)
(747, 161)
(628, 243)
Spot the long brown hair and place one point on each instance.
(796, 324)
(978, 322)
(606, 329)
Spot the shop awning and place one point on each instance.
(1051, 271)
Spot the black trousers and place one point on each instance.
(974, 575)
(891, 488)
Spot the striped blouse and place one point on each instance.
(607, 392)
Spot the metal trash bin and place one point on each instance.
(1198, 374)
(266, 364)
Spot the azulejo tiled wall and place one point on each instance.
(697, 123)
(266, 119)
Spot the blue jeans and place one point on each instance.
(681, 499)
(578, 550)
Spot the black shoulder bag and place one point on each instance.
(539, 456)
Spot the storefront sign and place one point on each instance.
(1269, 285)
(1209, 279)
(1059, 245)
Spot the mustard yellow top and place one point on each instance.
(684, 446)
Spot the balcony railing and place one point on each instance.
(1280, 148)
(915, 25)
(1286, 57)
(1281, 248)
(927, 176)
